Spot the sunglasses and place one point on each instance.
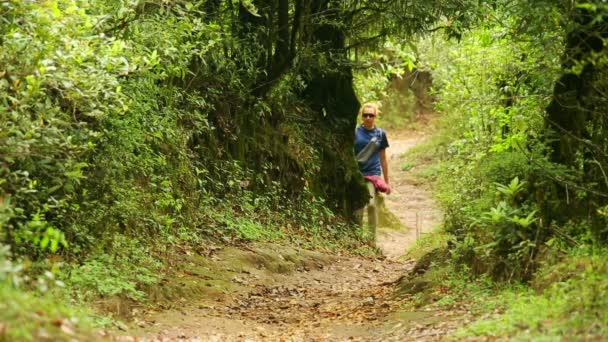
(369, 116)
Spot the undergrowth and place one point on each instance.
(569, 302)
(565, 296)
(30, 309)
(27, 316)
(566, 299)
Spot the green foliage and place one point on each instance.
(512, 208)
(493, 87)
(30, 317)
(249, 230)
(139, 119)
(124, 272)
(571, 306)
(390, 77)
(566, 300)
(506, 236)
(407, 165)
(577, 137)
(56, 89)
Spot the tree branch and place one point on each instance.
(367, 40)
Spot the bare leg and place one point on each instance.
(372, 211)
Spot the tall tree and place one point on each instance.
(577, 115)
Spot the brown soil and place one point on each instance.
(277, 293)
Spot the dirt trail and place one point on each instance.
(340, 298)
(410, 200)
(349, 299)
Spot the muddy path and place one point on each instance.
(280, 293)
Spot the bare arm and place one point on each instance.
(384, 165)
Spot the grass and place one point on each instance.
(572, 305)
(566, 300)
(429, 172)
(407, 165)
(427, 243)
(424, 161)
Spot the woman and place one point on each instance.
(370, 148)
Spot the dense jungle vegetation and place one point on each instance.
(134, 129)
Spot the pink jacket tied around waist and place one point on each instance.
(378, 182)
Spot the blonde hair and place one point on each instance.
(374, 105)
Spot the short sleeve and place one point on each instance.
(383, 141)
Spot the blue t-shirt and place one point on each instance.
(362, 137)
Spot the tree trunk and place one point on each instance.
(577, 118)
(331, 95)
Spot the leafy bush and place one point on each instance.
(571, 306)
(56, 89)
(28, 316)
(506, 236)
(127, 118)
(121, 273)
(493, 88)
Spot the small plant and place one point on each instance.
(507, 233)
(572, 306)
(512, 189)
(122, 273)
(9, 271)
(407, 165)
